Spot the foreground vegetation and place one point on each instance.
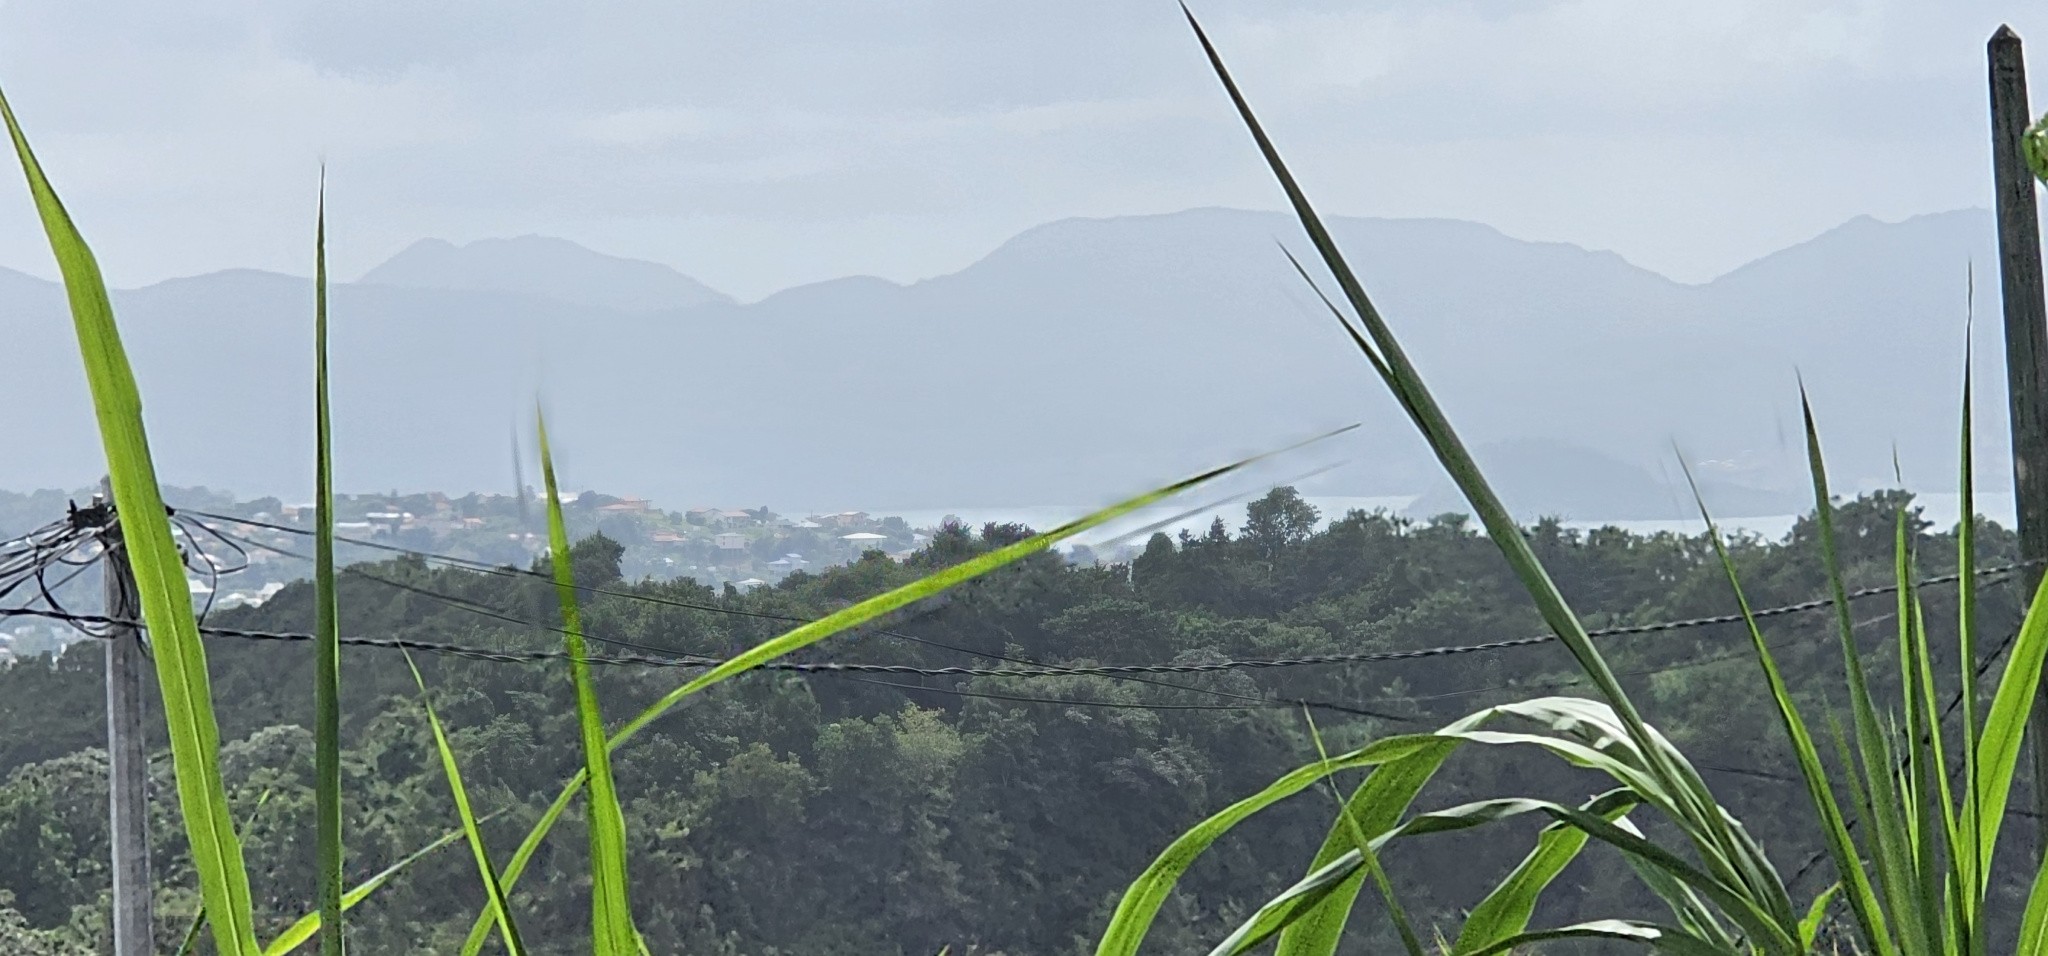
(1923, 876)
(828, 815)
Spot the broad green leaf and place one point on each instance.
(1998, 749)
(1294, 902)
(1362, 845)
(497, 906)
(1141, 901)
(1375, 807)
(839, 621)
(611, 914)
(159, 571)
(2034, 146)
(326, 620)
(1506, 911)
(298, 933)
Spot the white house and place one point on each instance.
(730, 541)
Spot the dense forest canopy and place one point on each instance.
(861, 813)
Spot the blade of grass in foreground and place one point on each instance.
(611, 915)
(845, 619)
(159, 571)
(1862, 897)
(326, 619)
(499, 909)
(1730, 854)
(309, 924)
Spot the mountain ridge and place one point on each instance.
(1080, 359)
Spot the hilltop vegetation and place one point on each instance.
(875, 814)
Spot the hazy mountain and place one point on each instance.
(537, 265)
(1081, 359)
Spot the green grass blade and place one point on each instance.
(611, 914)
(848, 618)
(1892, 858)
(1291, 905)
(299, 932)
(1506, 911)
(498, 907)
(1841, 847)
(159, 572)
(1809, 925)
(1972, 855)
(326, 620)
(1720, 846)
(2034, 921)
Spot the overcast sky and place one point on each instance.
(765, 144)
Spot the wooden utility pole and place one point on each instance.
(2026, 341)
(127, 756)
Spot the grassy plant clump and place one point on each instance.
(1913, 852)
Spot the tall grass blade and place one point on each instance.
(326, 619)
(611, 914)
(1842, 850)
(298, 933)
(1721, 845)
(1971, 856)
(846, 619)
(497, 906)
(159, 572)
(1893, 860)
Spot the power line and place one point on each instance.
(476, 608)
(1348, 658)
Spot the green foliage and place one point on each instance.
(159, 570)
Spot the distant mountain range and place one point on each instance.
(1080, 360)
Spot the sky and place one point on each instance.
(762, 145)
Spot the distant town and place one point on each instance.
(242, 552)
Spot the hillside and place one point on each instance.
(1081, 359)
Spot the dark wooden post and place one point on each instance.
(127, 756)
(2026, 339)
